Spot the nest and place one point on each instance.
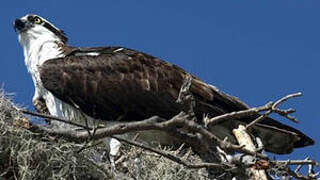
(28, 155)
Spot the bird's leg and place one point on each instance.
(40, 106)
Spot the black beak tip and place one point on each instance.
(18, 24)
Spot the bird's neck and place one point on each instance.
(38, 51)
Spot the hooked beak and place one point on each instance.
(19, 25)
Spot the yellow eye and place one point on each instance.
(37, 20)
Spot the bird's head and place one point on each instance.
(32, 28)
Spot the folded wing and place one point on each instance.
(115, 83)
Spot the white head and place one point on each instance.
(35, 29)
(39, 39)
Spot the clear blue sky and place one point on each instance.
(257, 51)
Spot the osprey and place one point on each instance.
(116, 84)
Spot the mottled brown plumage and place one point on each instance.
(124, 84)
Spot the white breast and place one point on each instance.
(36, 53)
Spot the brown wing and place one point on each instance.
(125, 84)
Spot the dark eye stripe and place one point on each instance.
(58, 33)
(31, 18)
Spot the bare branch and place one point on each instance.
(49, 117)
(260, 118)
(286, 98)
(298, 175)
(297, 162)
(223, 144)
(237, 115)
(269, 108)
(274, 108)
(284, 166)
(173, 157)
(300, 166)
(152, 123)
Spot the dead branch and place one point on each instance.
(284, 166)
(173, 157)
(153, 123)
(222, 143)
(269, 107)
(49, 117)
(244, 139)
(237, 115)
(274, 108)
(296, 162)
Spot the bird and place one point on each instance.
(115, 84)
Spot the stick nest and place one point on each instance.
(28, 155)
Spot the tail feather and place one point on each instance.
(277, 137)
(280, 138)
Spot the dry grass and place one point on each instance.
(28, 155)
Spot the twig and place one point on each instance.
(260, 118)
(283, 166)
(237, 114)
(286, 98)
(297, 162)
(172, 157)
(300, 166)
(298, 175)
(223, 144)
(53, 118)
(274, 108)
(121, 128)
(269, 107)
